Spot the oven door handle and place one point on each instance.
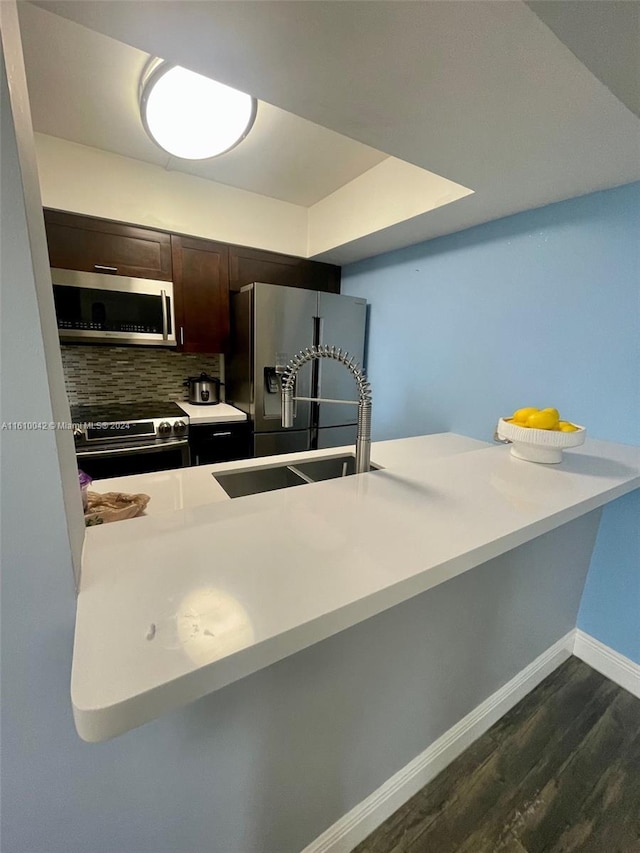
(127, 451)
(165, 322)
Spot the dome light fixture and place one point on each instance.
(191, 116)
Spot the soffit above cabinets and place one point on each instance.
(485, 94)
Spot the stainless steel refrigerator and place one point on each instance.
(270, 324)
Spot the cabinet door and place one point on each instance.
(248, 265)
(220, 443)
(201, 286)
(99, 245)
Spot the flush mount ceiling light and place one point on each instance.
(191, 116)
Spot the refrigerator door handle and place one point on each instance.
(316, 384)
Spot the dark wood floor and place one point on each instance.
(559, 773)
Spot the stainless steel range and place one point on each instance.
(131, 438)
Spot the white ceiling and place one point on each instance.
(483, 93)
(603, 35)
(284, 156)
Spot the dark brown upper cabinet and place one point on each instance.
(99, 245)
(247, 265)
(203, 271)
(201, 290)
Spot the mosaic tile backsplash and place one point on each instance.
(129, 374)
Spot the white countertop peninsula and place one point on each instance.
(178, 604)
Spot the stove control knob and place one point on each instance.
(164, 429)
(179, 427)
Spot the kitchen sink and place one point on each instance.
(250, 482)
(329, 469)
(240, 483)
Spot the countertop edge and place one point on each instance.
(219, 413)
(99, 724)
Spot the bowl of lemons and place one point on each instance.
(539, 435)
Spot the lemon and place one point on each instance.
(520, 416)
(555, 414)
(565, 426)
(542, 420)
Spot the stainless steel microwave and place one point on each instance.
(101, 308)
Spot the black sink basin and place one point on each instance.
(237, 484)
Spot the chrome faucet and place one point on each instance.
(363, 439)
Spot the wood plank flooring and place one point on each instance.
(560, 773)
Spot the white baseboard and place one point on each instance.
(357, 824)
(605, 660)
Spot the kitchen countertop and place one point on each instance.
(220, 413)
(178, 604)
(185, 488)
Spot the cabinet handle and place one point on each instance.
(104, 268)
(165, 324)
(218, 434)
(181, 336)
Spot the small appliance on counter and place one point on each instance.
(115, 440)
(204, 390)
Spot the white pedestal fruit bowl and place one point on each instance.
(539, 445)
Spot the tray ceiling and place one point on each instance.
(519, 105)
(83, 87)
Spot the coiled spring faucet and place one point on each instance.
(363, 440)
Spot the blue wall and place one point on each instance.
(538, 309)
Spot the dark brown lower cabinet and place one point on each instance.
(211, 443)
(201, 288)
